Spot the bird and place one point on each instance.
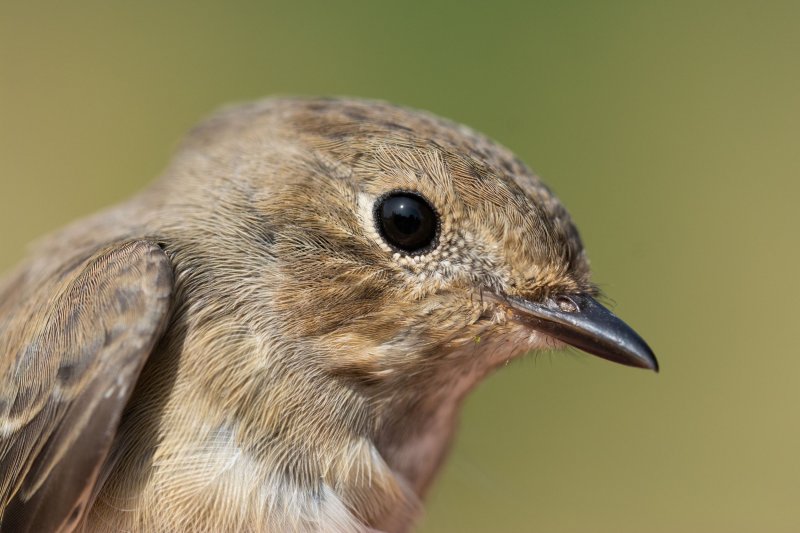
(278, 333)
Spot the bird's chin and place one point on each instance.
(499, 340)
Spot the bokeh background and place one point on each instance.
(671, 130)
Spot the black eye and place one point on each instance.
(407, 221)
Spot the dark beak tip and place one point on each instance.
(640, 355)
(644, 359)
(631, 350)
(642, 352)
(655, 368)
(651, 363)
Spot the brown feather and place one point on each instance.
(310, 377)
(80, 361)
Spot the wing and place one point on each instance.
(69, 359)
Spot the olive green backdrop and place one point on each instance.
(671, 130)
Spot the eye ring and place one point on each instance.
(407, 222)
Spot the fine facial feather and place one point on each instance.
(310, 376)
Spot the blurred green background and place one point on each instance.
(671, 130)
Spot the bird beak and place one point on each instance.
(579, 320)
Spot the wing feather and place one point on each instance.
(70, 358)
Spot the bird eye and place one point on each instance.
(407, 221)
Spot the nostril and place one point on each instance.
(567, 304)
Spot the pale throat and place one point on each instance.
(416, 448)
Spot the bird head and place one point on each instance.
(392, 250)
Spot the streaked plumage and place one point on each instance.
(277, 366)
